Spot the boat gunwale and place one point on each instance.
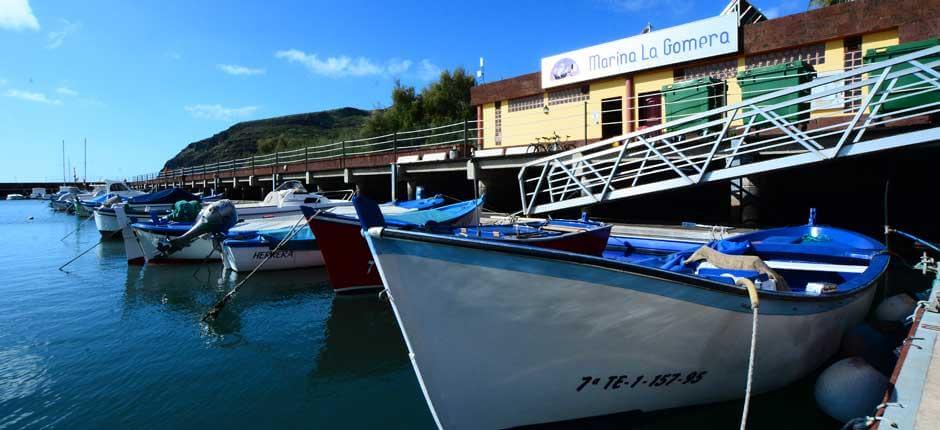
(878, 263)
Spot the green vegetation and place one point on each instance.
(816, 4)
(273, 134)
(445, 101)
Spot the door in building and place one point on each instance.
(650, 112)
(611, 117)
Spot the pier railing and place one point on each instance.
(763, 133)
(463, 135)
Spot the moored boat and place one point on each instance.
(345, 253)
(246, 250)
(143, 205)
(504, 335)
(15, 196)
(578, 236)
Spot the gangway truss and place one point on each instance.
(755, 136)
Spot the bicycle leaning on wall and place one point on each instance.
(550, 144)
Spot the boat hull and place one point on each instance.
(505, 339)
(247, 258)
(199, 250)
(345, 253)
(106, 222)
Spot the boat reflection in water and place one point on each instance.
(189, 291)
(364, 357)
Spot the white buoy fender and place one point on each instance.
(895, 308)
(850, 388)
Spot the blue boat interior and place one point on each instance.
(302, 240)
(815, 256)
(427, 203)
(518, 231)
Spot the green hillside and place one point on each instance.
(273, 134)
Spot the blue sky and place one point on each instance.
(141, 79)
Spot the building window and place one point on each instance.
(812, 54)
(569, 95)
(498, 119)
(650, 110)
(853, 59)
(611, 117)
(526, 103)
(721, 70)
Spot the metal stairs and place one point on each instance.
(894, 104)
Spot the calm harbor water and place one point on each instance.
(111, 346)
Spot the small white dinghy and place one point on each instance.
(243, 251)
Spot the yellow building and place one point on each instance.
(579, 96)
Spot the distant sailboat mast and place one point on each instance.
(64, 170)
(85, 172)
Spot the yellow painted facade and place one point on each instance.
(570, 120)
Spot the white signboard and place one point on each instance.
(832, 101)
(687, 42)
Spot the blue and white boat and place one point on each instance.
(504, 335)
(245, 249)
(140, 206)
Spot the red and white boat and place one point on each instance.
(345, 253)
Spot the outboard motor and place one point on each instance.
(111, 201)
(214, 219)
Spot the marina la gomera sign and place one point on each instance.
(687, 42)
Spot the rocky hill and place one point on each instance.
(273, 134)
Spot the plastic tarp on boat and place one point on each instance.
(169, 196)
(430, 202)
(441, 215)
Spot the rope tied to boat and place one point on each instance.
(755, 305)
(214, 311)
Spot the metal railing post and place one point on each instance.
(395, 144)
(585, 123)
(466, 139)
(277, 160)
(306, 160)
(342, 160)
(252, 164)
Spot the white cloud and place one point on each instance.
(32, 97)
(17, 15)
(219, 112)
(173, 55)
(344, 66)
(397, 67)
(334, 67)
(66, 91)
(237, 70)
(428, 71)
(56, 38)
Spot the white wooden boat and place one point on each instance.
(503, 335)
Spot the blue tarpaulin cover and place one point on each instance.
(676, 262)
(169, 196)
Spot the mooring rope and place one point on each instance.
(77, 228)
(755, 304)
(217, 307)
(89, 249)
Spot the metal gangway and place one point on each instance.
(762, 134)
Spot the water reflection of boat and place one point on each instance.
(362, 340)
(191, 290)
